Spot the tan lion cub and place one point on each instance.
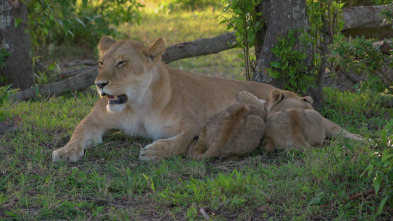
(236, 131)
(292, 122)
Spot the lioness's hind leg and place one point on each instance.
(332, 129)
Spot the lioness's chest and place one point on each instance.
(149, 126)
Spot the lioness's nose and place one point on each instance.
(101, 85)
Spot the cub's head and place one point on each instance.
(125, 70)
(280, 100)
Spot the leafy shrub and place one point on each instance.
(381, 167)
(99, 18)
(84, 21)
(244, 20)
(291, 66)
(358, 55)
(388, 14)
(5, 93)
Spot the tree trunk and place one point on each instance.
(15, 39)
(280, 16)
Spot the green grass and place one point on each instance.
(112, 183)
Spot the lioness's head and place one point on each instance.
(280, 100)
(125, 70)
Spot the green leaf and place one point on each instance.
(377, 182)
(383, 203)
(275, 64)
(17, 21)
(275, 74)
(80, 21)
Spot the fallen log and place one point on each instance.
(79, 82)
(82, 62)
(367, 21)
(200, 47)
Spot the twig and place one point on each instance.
(361, 194)
(204, 214)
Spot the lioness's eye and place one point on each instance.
(121, 63)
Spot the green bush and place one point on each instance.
(358, 55)
(82, 21)
(5, 93)
(291, 66)
(381, 167)
(244, 20)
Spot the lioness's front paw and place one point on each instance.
(71, 153)
(156, 150)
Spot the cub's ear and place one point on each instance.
(155, 50)
(105, 43)
(308, 99)
(276, 95)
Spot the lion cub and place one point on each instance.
(291, 122)
(234, 132)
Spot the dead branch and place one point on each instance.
(361, 194)
(81, 62)
(73, 72)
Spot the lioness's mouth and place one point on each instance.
(121, 99)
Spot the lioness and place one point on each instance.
(142, 96)
(292, 122)
(234, 132)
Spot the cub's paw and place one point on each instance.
(70, 153)
(249, 98)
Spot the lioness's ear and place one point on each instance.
(105, 43)
(308, 99)
(156, 49)
(276, 95)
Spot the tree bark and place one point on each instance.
(279, 16)
(18, 68)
